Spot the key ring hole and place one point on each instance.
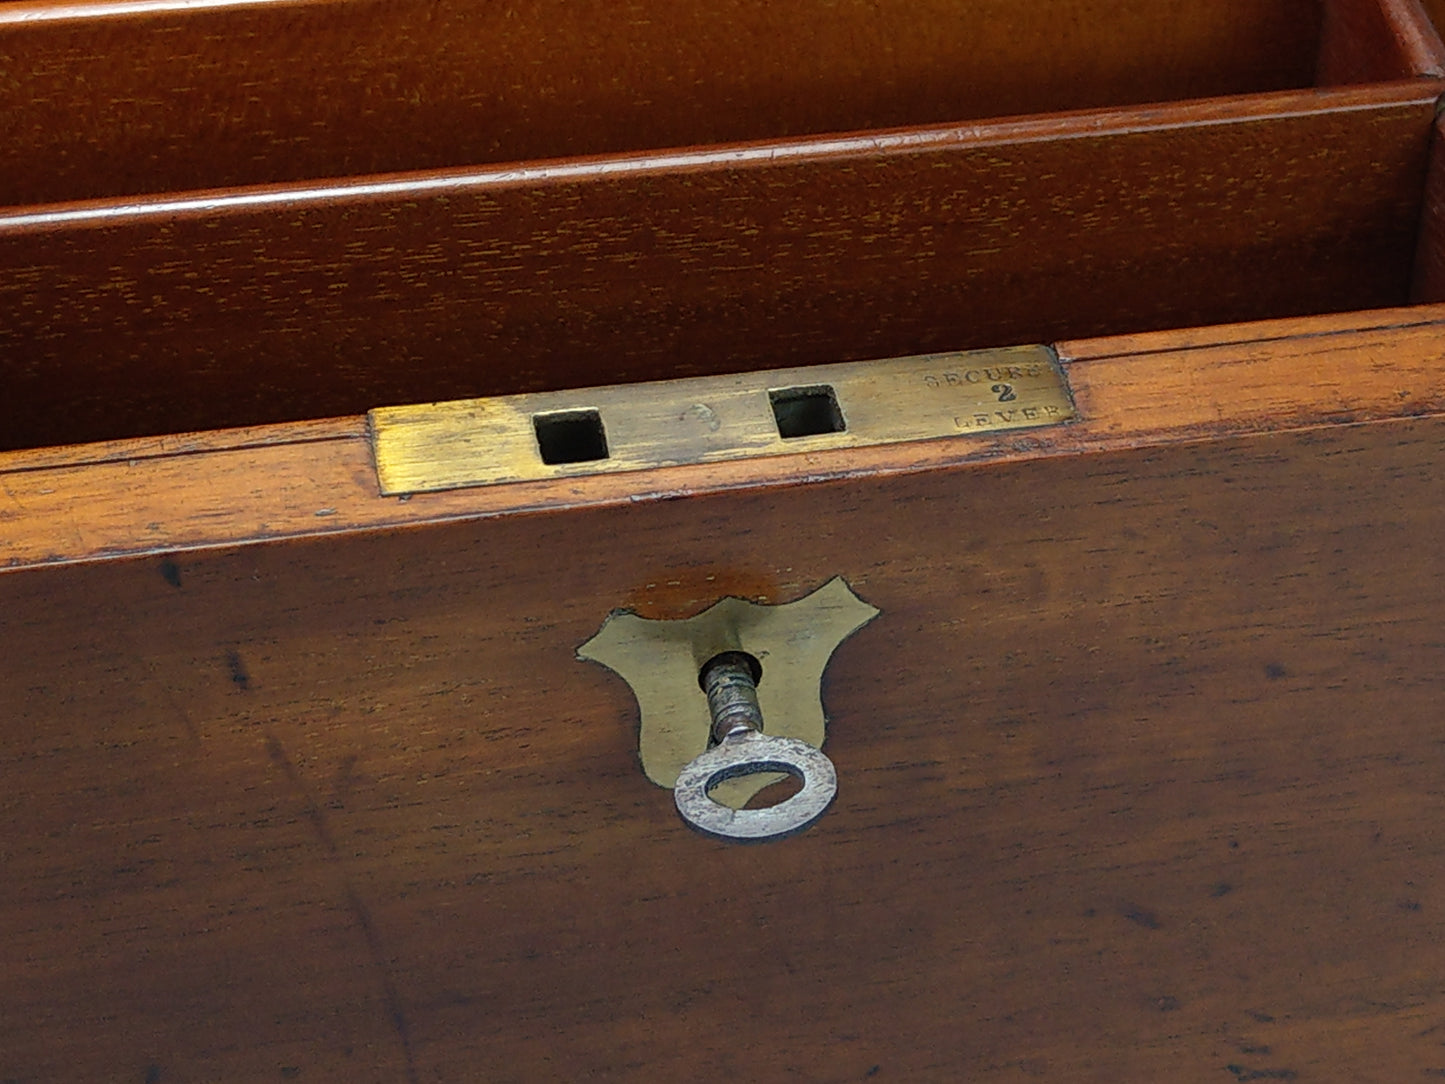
(753, 767)
(771, 795)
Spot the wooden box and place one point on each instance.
(1139, 763)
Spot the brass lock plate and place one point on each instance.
(661, 660)
(629, 427)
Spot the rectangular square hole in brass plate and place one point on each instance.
(570, 436)
(807, 412)
(713, 419)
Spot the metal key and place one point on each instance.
(730, 681)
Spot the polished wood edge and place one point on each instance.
(211, 440)
(30, 12)
(1291, 327)
(1364, 41)
(1416, 36)
(1427, 284)
(1074, 352)
(758, 154)
(267, 488)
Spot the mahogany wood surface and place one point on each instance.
(1139, 772)
(1139, 763)
(1373, 40)
(1428, 283)
(1435, 10)
(293, 481)
(104, 99)
(280, 304)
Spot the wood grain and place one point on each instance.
(1371, 40)
(1435, 9)
(1138, 772)
(109, 99)
(1428, 283)
(283, 304)
(316, 479)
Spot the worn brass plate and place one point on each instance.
(628, 427)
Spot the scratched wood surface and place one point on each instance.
(1139, 772)
(109, 99)
(304, 303)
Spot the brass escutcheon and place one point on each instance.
(661, 661)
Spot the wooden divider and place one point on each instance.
(1370, 40)
(291, 303)
(109, 99)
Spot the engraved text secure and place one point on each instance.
(630, 427)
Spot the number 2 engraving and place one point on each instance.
(1005, 392)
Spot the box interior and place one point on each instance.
(138, 321)
(143, 101)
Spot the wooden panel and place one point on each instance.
(1366, 40)
(1436, 10)
(296, 481)
(1428, 284)
(121, 98)
(124, 320)
(1138, 783)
